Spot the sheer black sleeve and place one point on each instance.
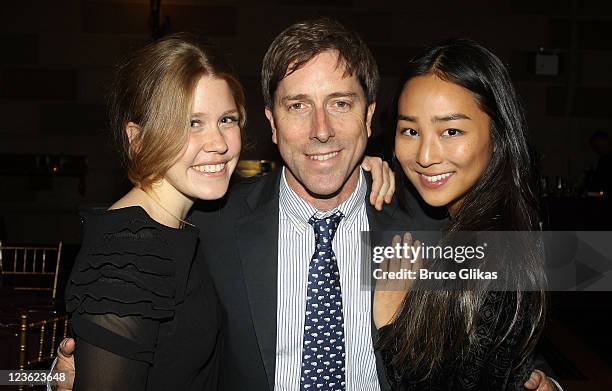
(125, 282)
(112, 352)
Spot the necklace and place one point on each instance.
(183, 222)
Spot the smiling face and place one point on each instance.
(442, 139)
(321, 123)
(210, 156)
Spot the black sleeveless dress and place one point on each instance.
(144, 311)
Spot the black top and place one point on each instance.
(494, 362)
(144, 314)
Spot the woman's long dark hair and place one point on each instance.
(437, 325)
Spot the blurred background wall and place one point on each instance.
(57, 59)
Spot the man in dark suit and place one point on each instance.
(243, 260)
(319, 83)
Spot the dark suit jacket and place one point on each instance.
(239, 241)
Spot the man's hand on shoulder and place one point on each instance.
(540, 382)
(65, 363)
(383, 180)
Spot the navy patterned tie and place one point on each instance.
(323, 351)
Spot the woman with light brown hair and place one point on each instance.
(144, 314)
(144, 311)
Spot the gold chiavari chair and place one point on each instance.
(31, 268)
(38, 338)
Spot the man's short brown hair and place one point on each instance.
(304, 40)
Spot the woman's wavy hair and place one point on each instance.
(153, 88)
(435, 325)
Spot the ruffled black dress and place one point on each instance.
(144, 313)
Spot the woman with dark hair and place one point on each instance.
(461, 143)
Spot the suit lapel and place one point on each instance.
(257, 235)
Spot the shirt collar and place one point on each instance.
(299, 211)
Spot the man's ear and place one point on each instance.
(270, 117)
(369, 114)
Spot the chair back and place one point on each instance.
(31, 268)
(38, 337)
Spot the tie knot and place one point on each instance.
(325, 228)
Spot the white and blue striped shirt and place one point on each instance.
(296, 245)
